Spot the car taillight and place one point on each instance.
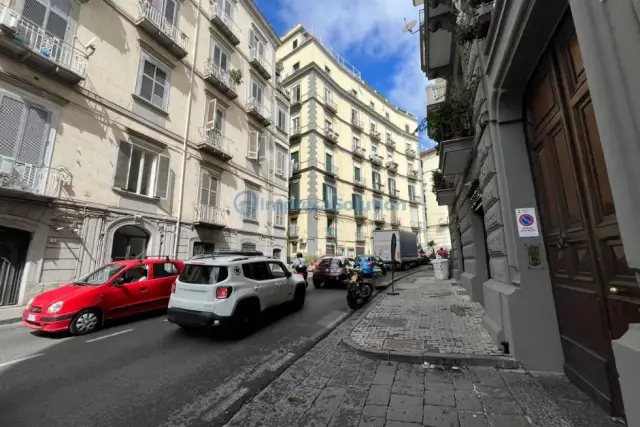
(370, 263)
(173, 288)
(223, 292)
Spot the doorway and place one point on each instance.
(596, 296)
(129, 241)
(14, 244)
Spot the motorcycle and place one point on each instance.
(358, 290)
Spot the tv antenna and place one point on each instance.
(408, 26)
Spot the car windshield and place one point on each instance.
(100, 276)
(364, 258)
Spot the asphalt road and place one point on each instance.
(148, 372)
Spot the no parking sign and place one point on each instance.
(527, 222)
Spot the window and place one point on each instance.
(377, 208)
(296, 67)
(387, 116)
(295, 125)
(355, 115)
(295, 158)
(327, 95)
(214, 120)
(227, 7)
(166, 269)
(327, 69)
(220, 57)
(257, 44)
(296, 93)
(295, 43)
(257, 91)
(52, 16)
(203, 248)
(200, 274)
(375, 177)
(372, 105)
(258, 271)
(406, 128)
(357, 173)
(388, 136)
(412, 192)
(356, 200)
(136, 274)
(277, 270)
(277, 253)
(359, 231)
(25, 130)
(392, 186)
(281, 162)
(328, 162)
(331, 250)
(251, 204)
(372, 128)
(329, 195)
(356, 142)
(282, 118)
(208, 190)
(279, 213)
(153, 82)
(374, 149)
(354, 92)
(257, 146)
(248, 247)
(328, 125)
(294, 195)
(141, 171)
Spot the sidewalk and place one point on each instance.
(430, 320)
(333, 386)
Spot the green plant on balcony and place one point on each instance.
(436, 179)
(236, 76)
(465, 33)
(452, 117)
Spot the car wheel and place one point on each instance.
(298, 298)
(85, 322)
(317, 283)
(245, 318)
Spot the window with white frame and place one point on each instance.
(281, 162)
(356, 142)
(282, 118)
(168, 9)
(355, 115)
(386, 115)
(258, 44)
(374, 149)
(226, 6)
(295, 125)
(279, 213)
(327, 95)
(406, 128)
(251, 203)
(372, 105)
(372, 128)
(153, 81)
(257, 91)
(208, 189)
(53, 16)
(295, 93)
(257, 146)
(392, 186)
(328, 125)
(141, 171)
(214, 119)
(220, 57)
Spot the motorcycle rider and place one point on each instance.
(300, 264)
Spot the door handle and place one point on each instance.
(143, 289)
(614, 290)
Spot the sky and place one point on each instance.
(368, 34)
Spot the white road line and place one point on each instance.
(224, 405)
(110, 335)
(275, 366)
(22, 359)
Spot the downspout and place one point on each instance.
(185, 140)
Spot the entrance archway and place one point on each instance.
(14, 244)
(129, 241)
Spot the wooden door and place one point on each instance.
(596, 296)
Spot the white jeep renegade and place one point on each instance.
(232, 287)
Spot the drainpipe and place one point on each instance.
(185, 140)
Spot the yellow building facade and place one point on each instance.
(437, 223)
(354, 156)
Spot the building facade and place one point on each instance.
(355, 157)
(545, 194)
(437, 216)
(137, 127)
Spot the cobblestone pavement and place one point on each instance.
(428, 315)
(331, 386)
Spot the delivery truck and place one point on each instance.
(406, 247)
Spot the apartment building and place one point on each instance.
(135, 127)
(542, 184)
(437, 216)
(355, 157)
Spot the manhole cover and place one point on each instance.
(389, 322)
(460, 310)
(403, 345)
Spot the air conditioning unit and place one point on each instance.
(9, 19)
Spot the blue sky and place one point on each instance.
(368, 33)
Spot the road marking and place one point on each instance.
(224, 405)
(276, 365)
(110, 335)
(22, 359)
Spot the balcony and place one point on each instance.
(259, 112)
(379, 217)
(292, 232)
(413, 174)
(392, 166)
(359, 182)
(216, 144)
(377, 188)
(330, 105)
(225, 24)
(436, 92)
(375, 135)
(390, 143)
(415, 225)
(295, 133)
(294, 206)
(165, 32)
(357, 123)
(261, 64)
(393, 193)
(359, 214)
(436, 38)
(331, 233)
(331, 135)
(220, 79)
(395, 221)
(357, 151)
(209, 216)
(295, 168)
(414, 199)
(29, 181)
(443, 222)
(360, 237)
(411, 153)
(329, 206)
(445, 186)
(454, 155)
(375, 159)
(32, 45)
(331, 170)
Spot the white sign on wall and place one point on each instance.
(527, 222)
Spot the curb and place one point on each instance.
(10, 321)
(395, 279)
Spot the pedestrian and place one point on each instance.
(300, 264)
(443, 254)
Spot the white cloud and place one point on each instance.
(372, 28)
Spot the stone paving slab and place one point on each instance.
(330, 386)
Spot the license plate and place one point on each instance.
(31, 317)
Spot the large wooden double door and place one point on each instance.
(596, 296)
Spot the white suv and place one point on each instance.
(232, 288)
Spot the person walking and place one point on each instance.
(300, 264)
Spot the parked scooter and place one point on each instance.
(358, 290)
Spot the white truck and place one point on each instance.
(406, 247)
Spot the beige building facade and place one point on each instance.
(437, 223)
(354, 154)
(131, 127)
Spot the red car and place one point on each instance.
(118, 289)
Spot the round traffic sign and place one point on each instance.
(526, 220)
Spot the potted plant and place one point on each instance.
(436, 178)
(236, 76)
(465, 33)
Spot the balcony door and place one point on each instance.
(51, 15)
(168, 8)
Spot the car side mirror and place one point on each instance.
(288, 274)
(119, 281)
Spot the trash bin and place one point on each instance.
(441, 269)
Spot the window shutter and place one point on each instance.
(253, 145)
(262, 148)
(33, 137)
(162, 180)
(204, 189)
(292, 167)
(212, 111)
(122, 165)
(11, 114)
(324, 192)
